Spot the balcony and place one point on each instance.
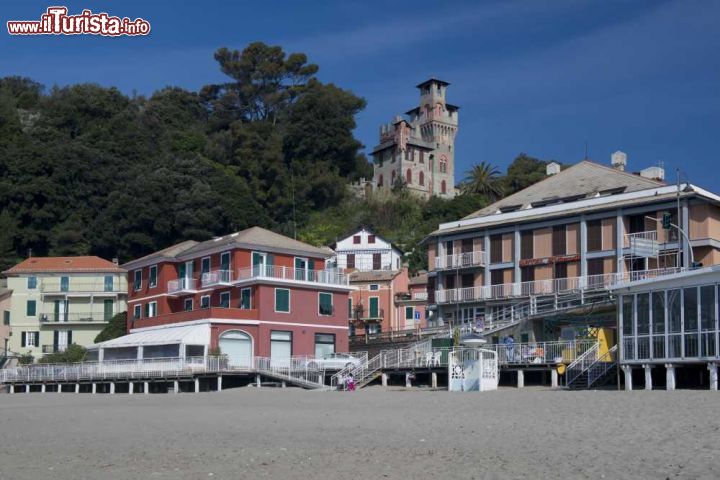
(547, 287)
(359, 314)
(288, 274)
(182, 286)
(643, 244)
(217, 278)
(73, 317)
(197, 314)
(81, 289)
(476, 258)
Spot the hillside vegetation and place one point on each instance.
(86, 169)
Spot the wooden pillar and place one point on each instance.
(219, 383)
(520, 379)
(146, 388)
(433, 380)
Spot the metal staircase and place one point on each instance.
(591, 369)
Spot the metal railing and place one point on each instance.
(70, 317)
(180, 285)
(216, 277)
(581, 363)
(330, 276)
(420, 296)
(547, 287)
(90, 288)
(475, 258)
(543, 353)
(298, 369)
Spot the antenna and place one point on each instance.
(292, 182)
(586, 150)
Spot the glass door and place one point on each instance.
(259, 262)
(301, 270)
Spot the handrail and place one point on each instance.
(548, 286)
(576, 368)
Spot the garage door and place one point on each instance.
(238, 347)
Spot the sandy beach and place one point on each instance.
(245, 433)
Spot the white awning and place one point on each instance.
(185, 335)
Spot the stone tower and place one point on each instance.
(419, 149)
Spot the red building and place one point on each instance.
(250, 293)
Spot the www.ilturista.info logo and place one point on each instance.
(57, 22)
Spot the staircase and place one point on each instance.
(297, 372)
(590, 370)
(369, 370)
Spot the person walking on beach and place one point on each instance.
(350, 383)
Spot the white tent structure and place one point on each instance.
(166, 341)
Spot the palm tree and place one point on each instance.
(483, 179)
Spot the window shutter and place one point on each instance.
(69, 337)
(23, 339)
(57, 310)
(56, 340)
(311, 264)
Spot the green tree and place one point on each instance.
(72, 354)
(523, 172)
(483, 179)
(116, 327)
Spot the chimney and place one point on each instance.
(653, 173)
(618, 160)
(552, 168)
(116, 261)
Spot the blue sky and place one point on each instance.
(536, 76)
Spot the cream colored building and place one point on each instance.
(58, 301)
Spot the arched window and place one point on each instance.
(392, 179)
(443, 165)
(421, 178)
(380, 180)
(443, 188)
(408, 176)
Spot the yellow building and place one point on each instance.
(58, 301)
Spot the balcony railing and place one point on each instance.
(367, 316)
(476, 258)
(86, 288)
(53, 348)
(182, 285)
(547, 287)
(643, 244)
(420, 296)
(331, 276)
(217, 277)
(73, 317)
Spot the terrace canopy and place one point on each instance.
(155, 342)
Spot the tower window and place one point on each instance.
(443, 165)
(408, 176)
(380, 180)
(392, 178)
(421, 178)
(443, 187)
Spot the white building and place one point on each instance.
(365, 251)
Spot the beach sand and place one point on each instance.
(534, 433)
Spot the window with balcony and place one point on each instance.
(224, 300)
(496, 249)
(526, 245)
(527, 274)
(108, 309)
(559, 240)
(32, 283)
(152, 276)
(188, 304)
(225, 261)
(137, 312)
(282, 300)
(246, 299)
(31, 308)
(377, 261)
(137, 280)
(497, 277)
(324, 344)
(595, 266)
(561, 270)
(350, 260)
(325, 303)
(594, 236)
(205, 265)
